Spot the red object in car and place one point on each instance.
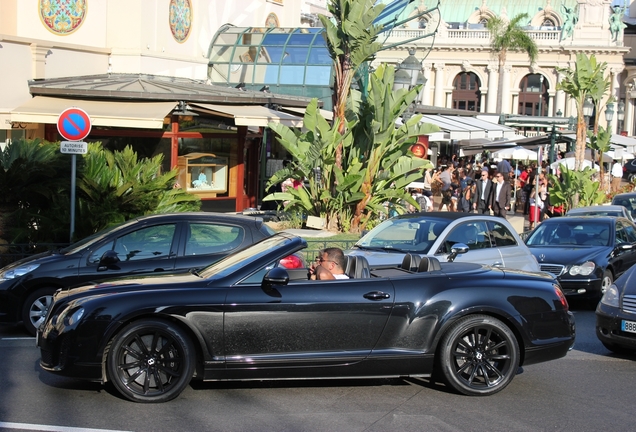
(292, 262)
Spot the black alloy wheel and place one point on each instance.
(478, 355)
(151, 361)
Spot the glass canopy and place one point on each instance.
(292, 61)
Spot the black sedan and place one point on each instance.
(586, 253)
(616, 315)
(159, 243)
(247, 318)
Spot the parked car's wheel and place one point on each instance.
(478, 355)
(608, 280)
(35, 308)
(631, 177)
(151, 361)
(618, 349)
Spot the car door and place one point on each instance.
(305, 322)
(514, 254)
(150, 248)
(204, 243)
(623, 256)
(474, 234)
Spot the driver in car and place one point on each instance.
(329, 265)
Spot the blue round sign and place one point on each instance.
(74, 124)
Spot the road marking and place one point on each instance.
(34, 427)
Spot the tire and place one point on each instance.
(617, 349)
(151, 361)
(478, 356)
(608, 279)
(35, 308)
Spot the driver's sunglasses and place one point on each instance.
(322, 260)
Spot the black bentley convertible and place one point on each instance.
(245, 318)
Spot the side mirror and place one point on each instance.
(109, 258)
(458, 248)
(276, 276)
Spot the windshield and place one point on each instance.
(91, 239)
(588, 233)
(243, 258)
(404, 235)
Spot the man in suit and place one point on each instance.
(500, 203)
(483, 193)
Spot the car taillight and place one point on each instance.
(292, 262)
(559, 293)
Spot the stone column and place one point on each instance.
(438, 97)
(426, 99)
(482, 102)
(629, 111)
(551, 111)
(560, 97)
(505, 90)
(491, 100)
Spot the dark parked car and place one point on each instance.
(629, 170)
(601, 210)
(627, 200)
(616, 315)
(586, 253)
(158, 243)
(491, 240)
(246, 318)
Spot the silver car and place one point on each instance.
(601, 210)
(491, 240)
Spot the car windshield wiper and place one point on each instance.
(383, 248)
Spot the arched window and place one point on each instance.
(422, 23)
(548, 23)
(533, 95)
(466, 94)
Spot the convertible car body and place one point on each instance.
(246, 317)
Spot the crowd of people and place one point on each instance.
(487, 187)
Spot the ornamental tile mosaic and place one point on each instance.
(180, 19)
(62, 17)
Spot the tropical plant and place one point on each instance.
(506, 36)
(351, 40)
(600, 142)
(575, 188)
(377, 164)
(586, 79)
(116, 186)
(34, 176)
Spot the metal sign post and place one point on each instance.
(73, 124)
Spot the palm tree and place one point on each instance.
(505, 36)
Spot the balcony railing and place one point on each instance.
(468, 36)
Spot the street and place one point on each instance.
(588, 390)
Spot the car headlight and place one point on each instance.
(69, 316)
(584, 269)
(18, 271)
(611, 297)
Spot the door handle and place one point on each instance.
(377, 295)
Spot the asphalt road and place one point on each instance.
(588, 390)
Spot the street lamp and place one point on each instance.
(588, 110)
(609, 115)
(621, 116)
(559, 113)
(409, 75)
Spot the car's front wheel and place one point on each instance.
(478, 355)
(35, 308)
(151, 361)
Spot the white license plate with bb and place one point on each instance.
(628, 326)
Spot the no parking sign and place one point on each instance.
(74, 124)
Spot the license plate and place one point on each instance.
(628, 326)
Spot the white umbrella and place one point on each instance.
(588, 156)
(516, 153)
(569, 162)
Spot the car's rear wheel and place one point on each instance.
(478, 355)
(151, 361)
(35, 308)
